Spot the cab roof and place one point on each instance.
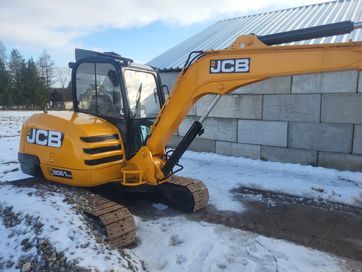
(84, 53)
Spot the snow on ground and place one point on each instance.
(199, 246)
(166, 244)
(9, 166)
(62, 226)
(176, 243)
(222, 173)
(11, 122)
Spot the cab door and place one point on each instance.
(145, 100)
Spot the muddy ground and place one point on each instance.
(317, 224)
(328, 227)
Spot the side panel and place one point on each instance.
(72, 148)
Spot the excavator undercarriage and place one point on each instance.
(184, 194)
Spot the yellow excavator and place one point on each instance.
(122, 123)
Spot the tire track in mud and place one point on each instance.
(335, 231)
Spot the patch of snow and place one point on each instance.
(9, 166)
(62, 226)
(160, 206)
(177, 244)
(222, 174)
(10, 129)
(11, 121)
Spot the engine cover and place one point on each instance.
(72, 148)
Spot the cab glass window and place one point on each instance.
(142, 94)
(98, 89)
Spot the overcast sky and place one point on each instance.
(134, 28)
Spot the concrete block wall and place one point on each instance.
(313, 119)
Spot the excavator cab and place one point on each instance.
(125, 94)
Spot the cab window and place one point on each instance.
(98, 89)
(142, 94)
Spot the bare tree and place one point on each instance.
(46, 69)
(62, 76)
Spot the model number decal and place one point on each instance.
(44, 137)
(230, 66)
(60, 173)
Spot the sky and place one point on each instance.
(138, 29)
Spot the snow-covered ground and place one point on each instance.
(222, 173)
(175, 243)
(60, 224)
(199, 246)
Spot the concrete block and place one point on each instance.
(360, 82)
(342, 108)
(340, 161)
(304, 107)
(357, 139)
(275, 85)
(174, 141)
(199, 145)
(215, 128)
(319, 136)
(169, 79)
(280, 154)
(262, 132)
(332, 82)
(233, 106)
(192, 112)
(235, 149)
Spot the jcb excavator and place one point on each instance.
(121, 122)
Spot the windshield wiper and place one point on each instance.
(138, 98)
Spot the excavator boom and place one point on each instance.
(217, 73)
(247, 60)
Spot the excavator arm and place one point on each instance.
(247, 60)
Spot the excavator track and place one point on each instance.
(184, 194)
(117, 220)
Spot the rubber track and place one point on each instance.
(196, 187)
(118, 221)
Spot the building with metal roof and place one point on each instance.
(222, 33)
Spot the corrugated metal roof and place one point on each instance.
(224, 32)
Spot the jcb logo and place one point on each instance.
(44, 137)
(230, 66)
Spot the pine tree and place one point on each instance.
(17, 70)
(34, 89)
(21, 83)
(5, 95)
